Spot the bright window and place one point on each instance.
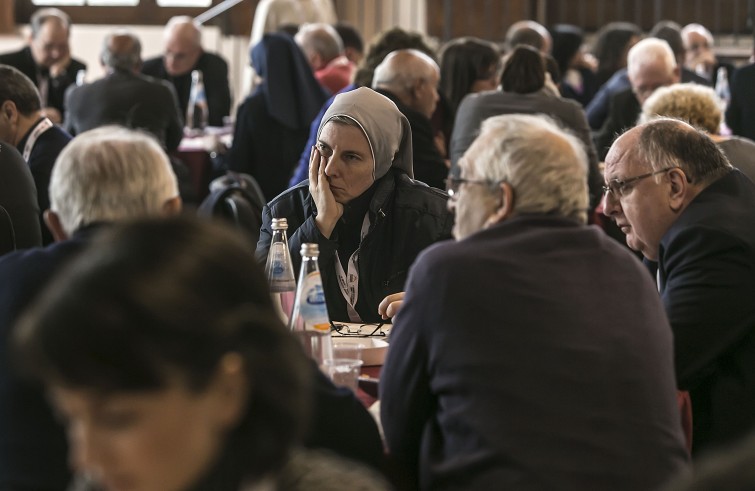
(97, 3)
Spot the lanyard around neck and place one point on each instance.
(349, 282)
(41, 127)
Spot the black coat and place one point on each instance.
(18, 195)
(128, 99)
(24, 62)
(406, 216)
(740, 116)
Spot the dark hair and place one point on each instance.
(523, 71)
(567, 40)
(288, 28)
(668, 142)
(350, 36)
(388, 42)
(19, 89)
(463, 61)
(157, 298)
(610, 47)
(671, 32)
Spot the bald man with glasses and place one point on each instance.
(679, 202)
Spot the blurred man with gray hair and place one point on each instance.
(124, 96)
(650, 64)
(47, 60)
(105, 175)
(532, 353)
(323, 47)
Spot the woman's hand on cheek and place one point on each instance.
(329, 211)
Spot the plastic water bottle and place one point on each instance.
(280, 271)
(197, 111)
(310, 322)
(722, 87)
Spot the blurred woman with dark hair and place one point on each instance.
(163, 354)
(578, 79)
(611, 46)
(468, 65)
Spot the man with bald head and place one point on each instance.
(410, 79)
(182, 54)
(679, 202)
(650, 64)
(530, 33)
(124, 96)
(47, 59)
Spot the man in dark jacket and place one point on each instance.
(360, 205)
(23, 125)
(410, 79)
(126, 97)
(679, 202)
(47, 60)
(182, 55)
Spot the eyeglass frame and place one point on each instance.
(617, 184)
(376, 332)
(456, 182)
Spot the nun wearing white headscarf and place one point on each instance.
(361, 206)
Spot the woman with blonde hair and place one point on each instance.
(699, 106)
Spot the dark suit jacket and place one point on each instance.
(128, 99)
(475, 108)
(32, 442)
(706, 272)
(215, 76)
(18, 195)
(541, 360)
(41, 161)
(740, 115)
(24, 62)
(623, 111)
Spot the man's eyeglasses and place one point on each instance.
(453, 185)
(362, 331)
(620, 188)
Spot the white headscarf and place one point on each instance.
(386, 128)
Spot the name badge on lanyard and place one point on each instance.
(349, 281)
(43, 126)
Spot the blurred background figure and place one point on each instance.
(103, 176)
(353, 44)
(612, 43)
(270, 15)
(699, 106)
(324, 50)
(523, 91)
(700, 57)
(19, 211)
(39, 140)
(272, 124)
(468, 65)
(611, 47)
(215, 396)
(182, 54)
(530, 33)
(577, 68)
(410, 79)
(47, 60)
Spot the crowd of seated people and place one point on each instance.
(449, 190)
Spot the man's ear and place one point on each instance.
(505, 208)
(172, 206)
(8, 110)
(678, 189)
(52, 220)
